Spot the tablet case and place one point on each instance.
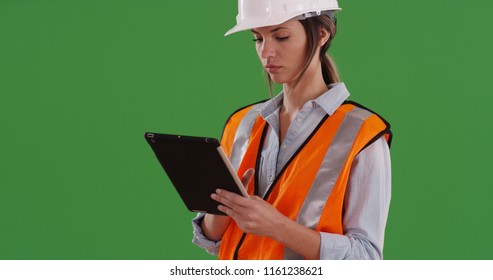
(196, 166)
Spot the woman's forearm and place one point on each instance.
(300, 239)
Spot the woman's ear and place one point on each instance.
(324, 36)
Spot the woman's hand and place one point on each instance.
(253, 215)
(214, 226)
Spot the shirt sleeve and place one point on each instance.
(366, 206)
(199, 239)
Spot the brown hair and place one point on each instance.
(311, 26)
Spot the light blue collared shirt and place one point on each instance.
(367, 198)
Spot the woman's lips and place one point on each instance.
(272, 68)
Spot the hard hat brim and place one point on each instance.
(252, 24)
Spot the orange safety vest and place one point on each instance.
(303, 191)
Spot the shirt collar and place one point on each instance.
(333, 98)
(329, 101)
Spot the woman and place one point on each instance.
(317, 167)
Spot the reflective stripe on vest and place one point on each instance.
(310, 189)
(241, 140)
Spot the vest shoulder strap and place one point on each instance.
(231, 126)
(387, 132)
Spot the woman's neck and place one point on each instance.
(311, 86)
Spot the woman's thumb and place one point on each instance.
(247, 176)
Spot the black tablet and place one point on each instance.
(196, 166)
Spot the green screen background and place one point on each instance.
(81, 81)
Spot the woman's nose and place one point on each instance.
(267, 49)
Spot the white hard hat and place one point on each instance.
(260, 13)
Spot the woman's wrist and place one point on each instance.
(214, 226)
(299, 238)
(281, 229)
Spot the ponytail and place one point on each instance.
(329, 70)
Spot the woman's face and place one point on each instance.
(281, 49)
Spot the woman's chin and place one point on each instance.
(277, 79)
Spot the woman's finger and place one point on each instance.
(223, 200)
(233, 197)
(228, 211)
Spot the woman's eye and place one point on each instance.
(280, 39)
